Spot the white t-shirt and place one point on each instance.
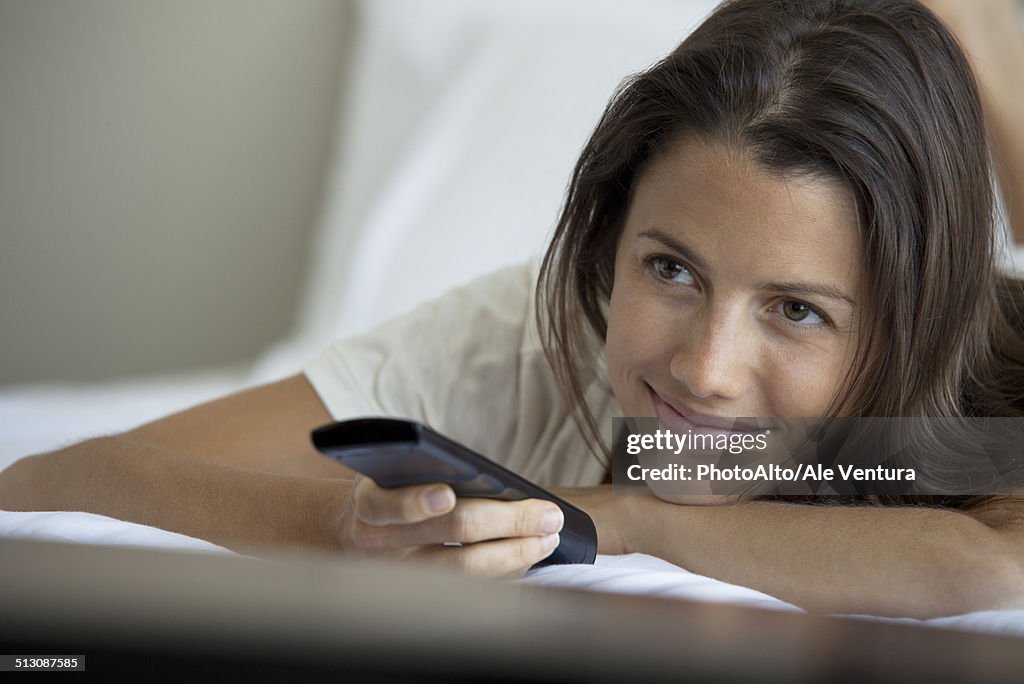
(470, 365)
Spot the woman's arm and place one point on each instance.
(906, 562)
(241, 472)
(219, 471)
(148, 483)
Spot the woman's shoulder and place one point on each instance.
(473, 342)
(471, 364)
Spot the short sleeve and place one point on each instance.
(470, 365)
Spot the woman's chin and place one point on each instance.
(697, 499)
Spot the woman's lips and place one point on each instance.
(679, 422)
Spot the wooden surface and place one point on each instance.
(137, 611)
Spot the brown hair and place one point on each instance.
(874, 94)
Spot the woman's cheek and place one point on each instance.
(616, 348)
(627, 348)
(642, 339)
(803, 387)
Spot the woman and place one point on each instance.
(790, 216)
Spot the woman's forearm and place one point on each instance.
(909, 562)
(141, 482)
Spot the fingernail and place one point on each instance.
(549, 543)
(439, 500)
(552, 521)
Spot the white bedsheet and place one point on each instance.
(629, 574)
(89, 528)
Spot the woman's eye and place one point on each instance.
(668, 269)
(798, 312)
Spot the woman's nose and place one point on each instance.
(714, 358)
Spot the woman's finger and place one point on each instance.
(375, 505)
(472, 521)
(499, 558)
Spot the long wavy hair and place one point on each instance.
(872, 94)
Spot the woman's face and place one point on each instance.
(736, 291)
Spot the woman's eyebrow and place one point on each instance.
(676, 246)
(819, 289)
(788, 287)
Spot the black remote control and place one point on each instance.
(397, 453)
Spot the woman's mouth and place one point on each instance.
(679, 418)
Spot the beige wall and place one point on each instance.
(160, 170)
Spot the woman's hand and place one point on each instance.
(617, 517)
(612, 515)
(480, 536)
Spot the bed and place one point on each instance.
(130, 613)
(498, 88)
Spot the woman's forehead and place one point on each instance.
(721, 203)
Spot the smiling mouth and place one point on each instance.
(681, 420)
